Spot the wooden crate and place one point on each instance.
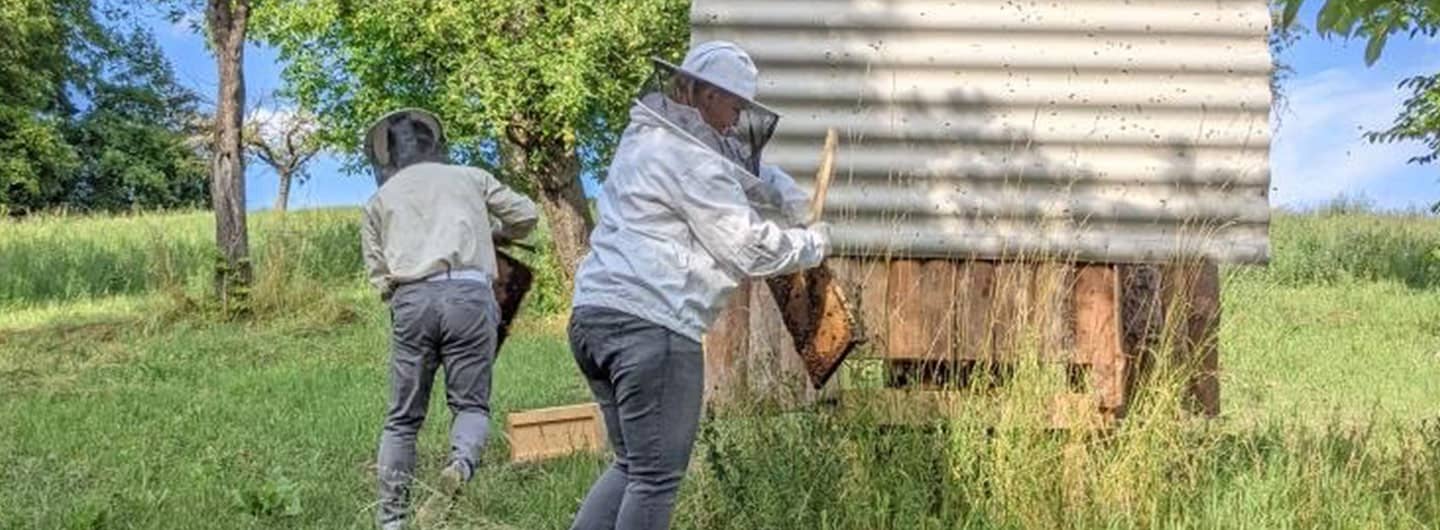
(557, 431)
(931, 319)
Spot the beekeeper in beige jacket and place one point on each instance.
(427, 239)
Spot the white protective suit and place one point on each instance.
(680, 225)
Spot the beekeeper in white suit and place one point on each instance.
(680, 226)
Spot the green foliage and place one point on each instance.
(549, 76)
(32, 72)
(1419, 119)
(132, 141)
(1376, 21)
(98, 121)
(1342, 244)
(34, 159)
(276, 497)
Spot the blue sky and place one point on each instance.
(1316, 155)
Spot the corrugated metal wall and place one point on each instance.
(1095, 130)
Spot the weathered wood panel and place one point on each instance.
(1011, 311)
(931, 320)
(866, 283)
(1193, 295)
(775, 373)
(1052, 291)
(905, 334)
(938, 303)
(726, 345)
(1098, 333)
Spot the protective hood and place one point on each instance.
(402, 138)
(724, 65)
(711, 99)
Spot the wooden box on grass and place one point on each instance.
(557, 431)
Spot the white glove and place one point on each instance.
(822, 231)
(792, 201)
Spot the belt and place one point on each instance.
(472, 275)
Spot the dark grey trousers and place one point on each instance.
(450, 323)
(649, 382)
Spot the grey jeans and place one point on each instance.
(649, 382)
(450, 323)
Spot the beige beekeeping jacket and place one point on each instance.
(431, 218)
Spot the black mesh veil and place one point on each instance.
(685, 99)
(402, 138)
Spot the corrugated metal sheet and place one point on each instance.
(1090, 129)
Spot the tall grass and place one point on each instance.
(1154, 471)
(1339, 246)
(50, 259)
(54, 259)
(985, 455)
(986, 459)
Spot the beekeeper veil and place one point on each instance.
(402, 138)
(711, 97)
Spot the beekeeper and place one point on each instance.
(679, 226)
(427, 242)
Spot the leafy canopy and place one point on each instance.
(548, 77)
(1377, 21)
(92, 116)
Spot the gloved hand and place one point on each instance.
(781, 191)
(822, 232)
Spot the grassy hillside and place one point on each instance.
(89, 261)
(125, 405)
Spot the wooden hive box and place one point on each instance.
(557, 431)
(930, 320)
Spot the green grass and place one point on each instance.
(48, 260)
(52, 259)
(123, 407)
(165, 427)
(1328, 248)
(1354, 349)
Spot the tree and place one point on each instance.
(92, 117)
(1376, 21)
(131, 141)
(540, 89)
(285, 140)
(227, 23)
(1282, 37)
(33, 154)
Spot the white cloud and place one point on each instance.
(1319, 153)
(273, 121)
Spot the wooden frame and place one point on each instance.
(918, 315)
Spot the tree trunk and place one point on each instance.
(562, 199)
(227, 20)
(282, 199)
(570, 224)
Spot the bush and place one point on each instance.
(1326, 249)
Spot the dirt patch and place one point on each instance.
(48, 356)
(67, 333)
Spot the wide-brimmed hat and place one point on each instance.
(377, 140)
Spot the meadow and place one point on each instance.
(128, 401)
